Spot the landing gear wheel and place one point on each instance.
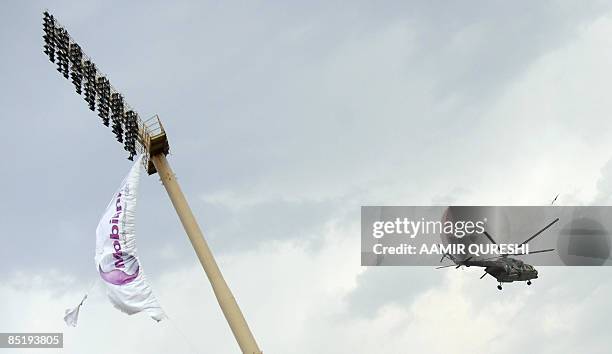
(499, 287)
(528, 282)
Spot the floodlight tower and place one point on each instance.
(149, 138)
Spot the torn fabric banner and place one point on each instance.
(116, 258)
(72, 315)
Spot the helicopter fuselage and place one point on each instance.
(507, 269)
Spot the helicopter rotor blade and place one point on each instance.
(456, 265)
(446, 266)
(494, 257)
(541, 251)
(538, 251)
(539, 232)
(462, 262)
(489, 237)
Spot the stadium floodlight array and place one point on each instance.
(89, 69)
(103, 91)
(131, 132)
(63, 47)
(49, 36)
(76, 68)
(118, 116)
(74, 65)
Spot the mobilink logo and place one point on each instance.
(114, 234)
(125, 267)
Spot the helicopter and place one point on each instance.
(504, 268)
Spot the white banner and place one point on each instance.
(116, 257)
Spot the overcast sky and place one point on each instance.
(283, 119)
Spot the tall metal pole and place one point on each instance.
(226, 300)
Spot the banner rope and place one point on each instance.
(182, 335)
